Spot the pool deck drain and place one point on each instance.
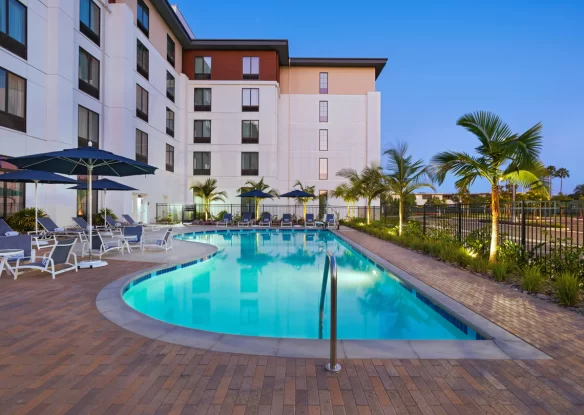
(501, 343)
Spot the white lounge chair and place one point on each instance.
(101, 245)
(225, 220)
(286, 221)
(266, 220)
(51, 228)
(164, 243)
(245, 220)
(309, 221)
(6, 230)
(150, 226)
(82, 224)
(59, 255)
(330, 220)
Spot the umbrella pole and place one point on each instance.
(36, 208)
(104, 206)
(89, 209)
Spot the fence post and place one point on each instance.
(459, 222)
(424, 219)
(523, 225)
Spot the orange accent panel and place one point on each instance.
(227, 65)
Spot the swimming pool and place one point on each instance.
(268, 283)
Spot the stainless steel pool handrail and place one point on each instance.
(330, 264)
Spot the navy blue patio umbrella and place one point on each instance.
(36, 177)
(297, 193)
(105, 185)
(256, 194)
(84, 161)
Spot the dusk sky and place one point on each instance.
(522, 59)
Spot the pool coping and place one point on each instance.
(501, 343)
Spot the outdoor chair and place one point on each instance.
(226, 220)
(130, 221)
(309, 221)
(111, 222)
(20, 242)
(51, 228)
(245, 220)
(330, 220)
(164, 243)
(133, 235)
(286, 221)
(59, 255)
(82, 224)
(266, 220)
(6, 230)
(101, 245)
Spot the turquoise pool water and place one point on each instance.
(268, 283)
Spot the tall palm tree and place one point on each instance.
(304, 200)
(262, 187)
(562, 174)
(350, 196)
(368, 184)
(551, 173)
(207, 191)
(501, 156)
(404, 176)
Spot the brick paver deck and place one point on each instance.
(58, 354)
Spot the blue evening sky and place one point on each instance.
(522, 59)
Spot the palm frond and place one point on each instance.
(461, 164)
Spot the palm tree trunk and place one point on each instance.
(304, 210)
(207, 209)
(368, 211)
(561, 185)
(495, 208)
(400, 209)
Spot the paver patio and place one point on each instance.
(58, 354)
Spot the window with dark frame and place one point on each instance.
(12, 101)
(169, 86)
(323, 140)
(87, 127)
(202, 131)
(323, 111)
(323, 83)
(142, 59)
(202, 67)
(250, 99)
(201, 163)
(141, 103)
(169, 158)
(141, 146)
(12, 195)
(13, 27)
(88, 73)
(169, 122)
(250, 132)
(89, 20)
(170, 50)
(143, 18)
(323, 169)
(249, 164)
(251, 67)
(202, 99)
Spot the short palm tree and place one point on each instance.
(207, 191)
(551, 172)
(350, 196)
(405, 176)
(368, 184)
(304, 200)
(579, 191)
(262, 187)
(501, 156)
(562, 174)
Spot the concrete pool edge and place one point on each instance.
(503, 345)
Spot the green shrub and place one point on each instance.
(531, 279)
(461, 257)
(99, 218)
(512, 253)
(479, 240)
(567, 286)
(500, 270)
(413, 228)
(479, 265)
(219, 216)
(23, 221)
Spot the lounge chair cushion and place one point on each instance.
(11, 233)
(59, 229)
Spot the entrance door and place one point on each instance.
(142, 209)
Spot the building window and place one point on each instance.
(250, 132)
(141, 103)
(323, 169)
(169, 86)
(169, 158)
(169, 122)
(12, 195)
(202, 67)
(12, 101)
(251, 67)
(202, 131)
(142, 59)
(88, 73)
(323, 86)
(323, 111)
(141, 146)
(249, 164)
(202, 99)
(87, 128)
(170, 50)
(323, 140)
(13, 27)
(201, 163)
(143, 20)
(250, 99)
(89, 19)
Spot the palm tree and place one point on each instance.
(368, 184)
(304, 200)
(579, 191)
(404, 176)
(349, 195)
(501, 156)
(207, 191)
(562, 174)
(262, 187)
(551, 173)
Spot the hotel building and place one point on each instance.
(129, 76)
